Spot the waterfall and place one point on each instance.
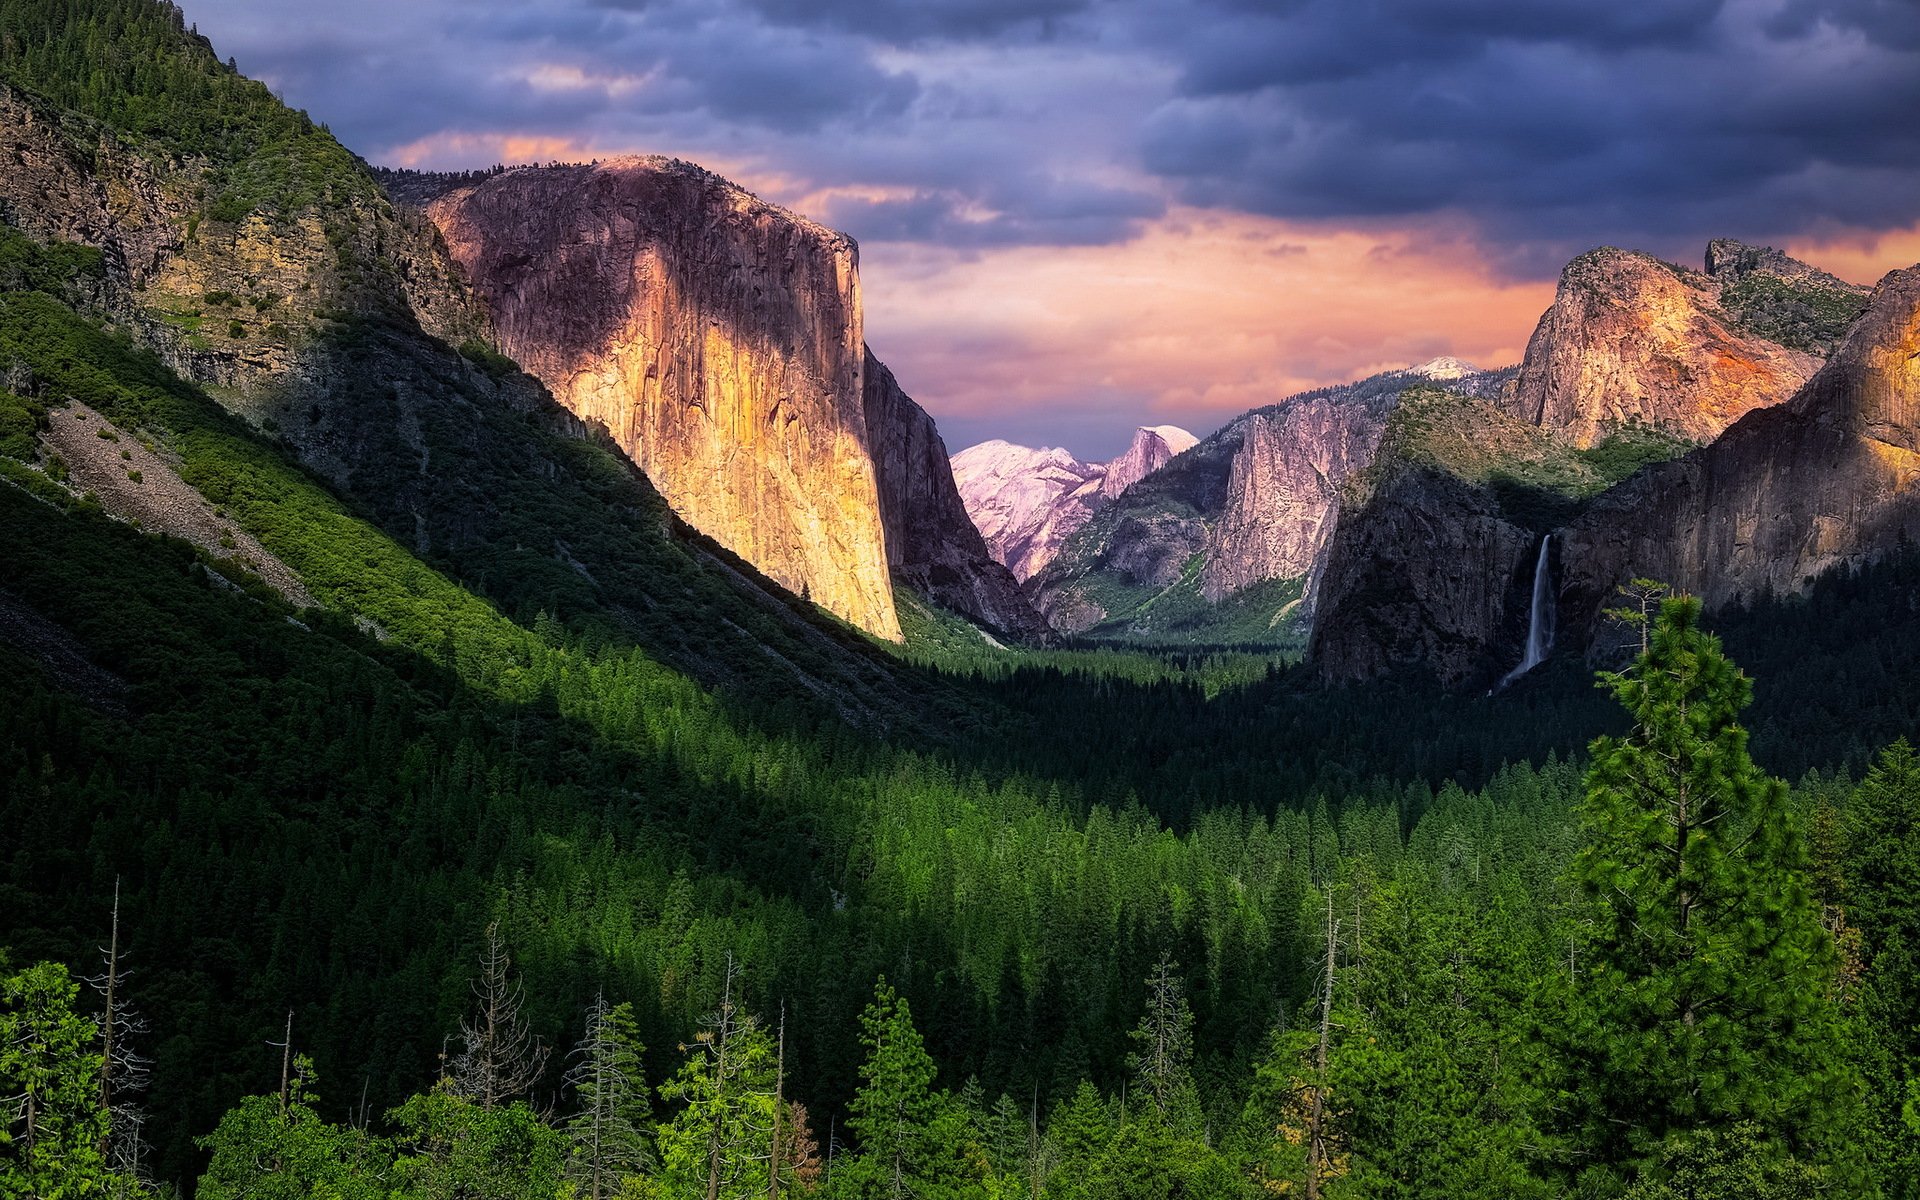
(1539, 617)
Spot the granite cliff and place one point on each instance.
(1226, 541)
(1433, 563)
(716, 338)
(1631, 340)
(1028, 502)
(932, 544)
(1829, 480)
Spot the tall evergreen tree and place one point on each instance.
(912, 1136)
(610, 1130)
(1704, 995)
(1882, 902)
(716, 1147)
(1162, 1058)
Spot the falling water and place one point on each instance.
(1539, 617)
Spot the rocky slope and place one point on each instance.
(1248, 509)
(1831, 479)
(1026, 503)
(932, 544)
(718, 340)
(1630, 339)
(258, 259)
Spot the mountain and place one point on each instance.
(932, 544)
(1027, 502)
(1434, 562)
(715, 337)
(1152, 447)
(1829, 481)
(257, 259)
(1225, 542)
(1630, 339)
(718, 340)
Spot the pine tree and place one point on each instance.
(1162, 1060)
(1704, 994)
(716, 1146)
(912, 1137)
(610, 1131)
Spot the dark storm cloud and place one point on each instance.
(1549, 124)
(918, 20)
(1552, 123)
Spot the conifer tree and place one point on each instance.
(610, 1131)
(1162, 1059)
(911, 1135)
(716, 1146)
(1704, 995)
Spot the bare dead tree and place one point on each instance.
(123, 1071)
(500, 1057)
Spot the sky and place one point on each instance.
(1078, 216)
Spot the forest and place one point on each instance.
(473, 880)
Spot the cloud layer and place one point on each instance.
(967, 141)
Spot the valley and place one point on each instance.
(511, 697)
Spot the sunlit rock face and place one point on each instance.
(1283, 491)
(1152, 447)
(1026, 502)
(1829, 479)
(718, 340)
(1631, 339)
(932, 544)
(1255, 502)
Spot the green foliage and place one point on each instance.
(913, 1138)
(718, 1143)
(1703, 988)
(611, 1133)
(135, 66)
(453, 1149)
(266, 1150)
(28, 265)
(51, 1126)
(1807, 316)
(1162, 1057)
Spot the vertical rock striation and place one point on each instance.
(932, 544)
(716, 337)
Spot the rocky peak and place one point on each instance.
(1153, 447)
(1634, 341)
(1828, 480)
(718, 340)
(1026, 502)
(1444, 369)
